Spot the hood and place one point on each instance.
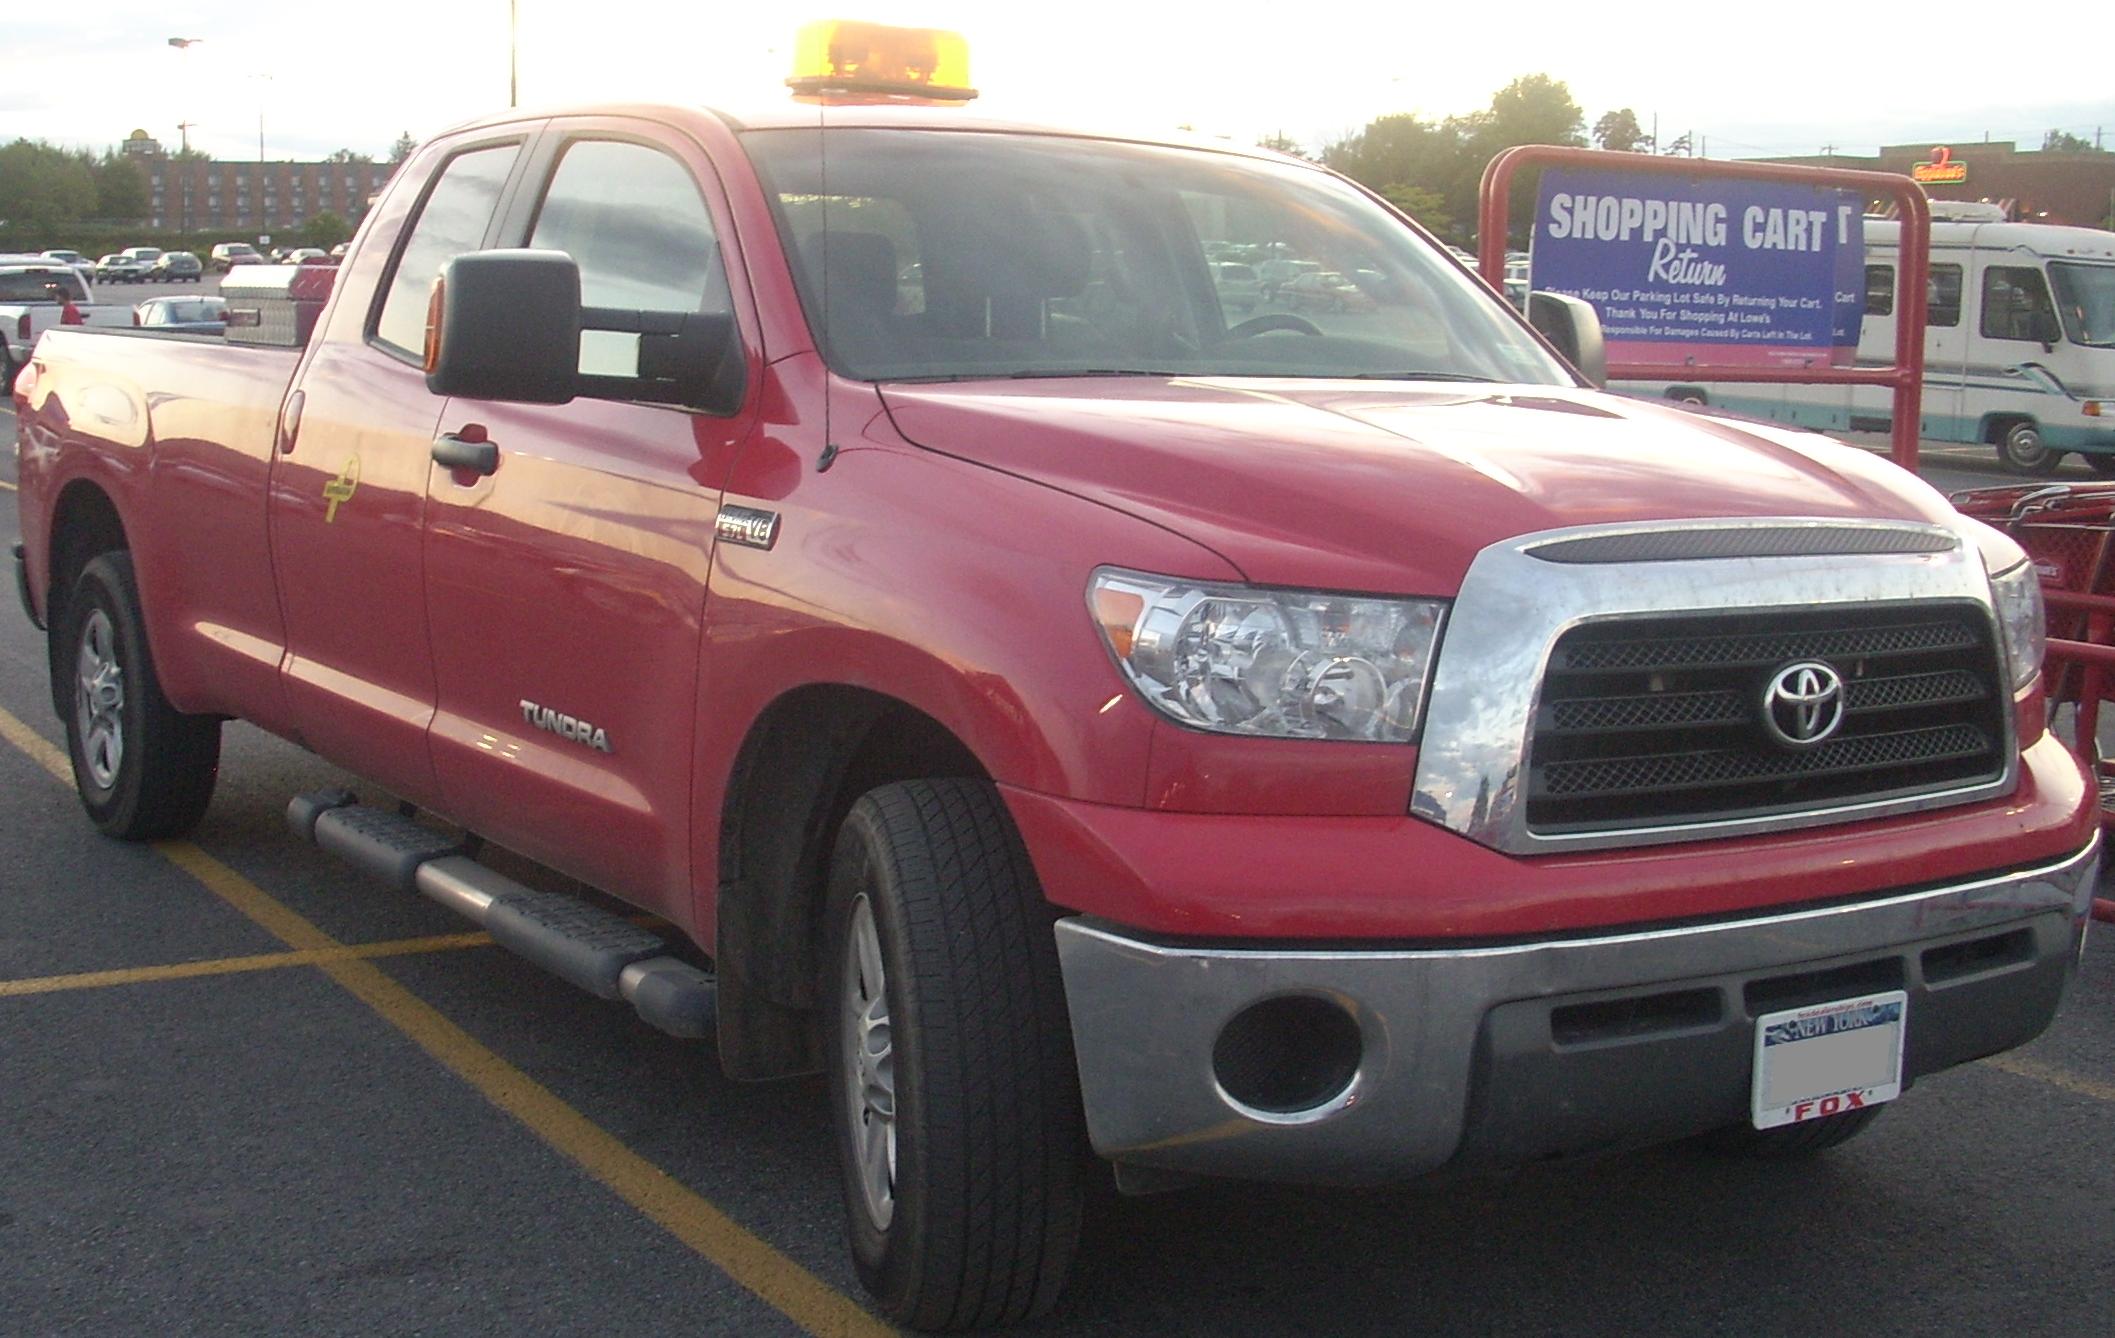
(1344, 485)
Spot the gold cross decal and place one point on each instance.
(341, 488)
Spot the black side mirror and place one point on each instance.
(689, 358)
(505, 325)
(2045, 328)
(1571, 324)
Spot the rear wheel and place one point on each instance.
(950, 1059)
(2023, 452)
(144, 770)
(1794, 1140)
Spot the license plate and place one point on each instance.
(1827, 1059)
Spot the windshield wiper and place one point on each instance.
(1422, 376)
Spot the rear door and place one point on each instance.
(348, 491)
(567, 589)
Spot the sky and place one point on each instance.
(1747, 80)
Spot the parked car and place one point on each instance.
(1324, 290)
(1275, 274)
(1238, 287)
(176, 267)
(306, 255)
(204, 314)
(226, 255)
(82, 265)
(29, 307)
(145, 255)
(338, 252)
(118, 268)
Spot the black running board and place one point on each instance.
(604, 954)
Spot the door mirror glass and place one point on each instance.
(1572, 325)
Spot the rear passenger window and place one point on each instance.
(452, 221)
(1944, 290)
(2016, 304)
(1879, 290)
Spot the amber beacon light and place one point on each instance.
(839, 57)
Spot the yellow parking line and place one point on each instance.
(2055, 1077)
(745, 1257)
(225, 966)
(31, 744)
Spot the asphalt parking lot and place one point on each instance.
(243, 1089)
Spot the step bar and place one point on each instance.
(583, 945)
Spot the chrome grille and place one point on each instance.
(1658, 720)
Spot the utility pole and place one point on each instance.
(1655, 133)
(513, 49)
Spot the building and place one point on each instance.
(247, 199)
(2036, 185)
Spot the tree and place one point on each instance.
(120, 187)
(1426, 206)
(325, 230)
(44, 187)
(1535, 109)
(1280, 144)
(1619, 132)
(2063, 141)
(403, 148)
(347, 156)
(1678, 147)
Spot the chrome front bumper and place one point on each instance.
(1491, 1055)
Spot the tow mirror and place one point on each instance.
(1571, 324)
(505, 325)
(508, 325)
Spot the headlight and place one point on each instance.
(2018, 592)
(1285, 664)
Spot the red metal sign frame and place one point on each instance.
(1905, 377)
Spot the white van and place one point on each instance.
(2019, 344)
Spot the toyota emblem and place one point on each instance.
(1803, 705)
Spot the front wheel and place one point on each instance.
(2022, 451)
(952, 1083)
(144, 770)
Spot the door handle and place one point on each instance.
(457, 452)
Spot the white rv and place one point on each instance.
(2019, 344)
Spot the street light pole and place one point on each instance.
(182, 170)
(513, 49)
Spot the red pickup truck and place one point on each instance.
(1324, 746)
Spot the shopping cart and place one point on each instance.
(2069, 534)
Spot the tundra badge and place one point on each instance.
(565, 726)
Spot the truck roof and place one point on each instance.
(2051, 240)
(795, 115)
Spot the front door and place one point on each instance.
(567, 589)
(348, 495)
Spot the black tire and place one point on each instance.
(159, 778)
(983, 1181)
(2100, 462)
(1794, 1140)
(2020, 448)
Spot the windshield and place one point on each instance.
(2085, 298)
(957, 255)
(36, 285)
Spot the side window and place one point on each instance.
(1879, 290)
(2016, 303)
(452, 221)
(633, 219)
(1944, 300)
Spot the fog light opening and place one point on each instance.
(1290, 1058)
